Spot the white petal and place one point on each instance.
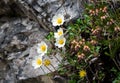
(54, 19)
(54, 24)
(42, 54)
(56, 44)
(38, 50)
(33, 63)
(35, 67)
(55, 35)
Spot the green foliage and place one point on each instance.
(98, 31)
(72, 81)
(101, 75)
(50, 36)
(115, 46)
(117, 79)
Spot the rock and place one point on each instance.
(19, 36)
(19, 48)
(42, 11)
(39, 79)
(59, 79)
(25, 70)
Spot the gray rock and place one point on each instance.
(46, 9)
(19, 48)
(43, 10)
(19, 36)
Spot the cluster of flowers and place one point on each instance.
(58, 20)
(60, 39)
(41, 50)
(42, 47)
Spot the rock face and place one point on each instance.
(19, 36)
(19, 47)
(43, 10)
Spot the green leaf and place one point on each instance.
(72, 81)
(50, 36)
(79, 21)
(97, 49)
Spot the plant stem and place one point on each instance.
(87, 79)
(53, 67)
(116, 64)
(56, 58)
(48, 69)
(43, 70)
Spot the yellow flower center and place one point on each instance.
(59, 20)
(47, 62)
(61, 41)
(43, 48)
(60, 33)
(38, 61)
(82, 73)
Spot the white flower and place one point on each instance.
(42, 48)
(59, 33)
(58, 20)
(37, 62)
(60, 42)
